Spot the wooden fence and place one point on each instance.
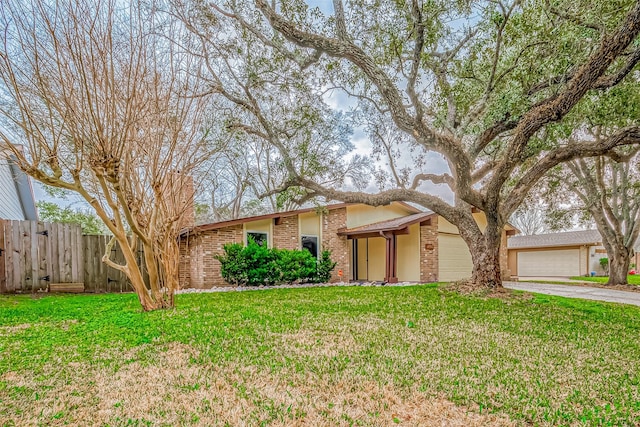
(34, 254)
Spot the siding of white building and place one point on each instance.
(10, 205)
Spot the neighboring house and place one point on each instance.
(389, 243)
(573, 253)
(16, 194)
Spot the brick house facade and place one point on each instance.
(388, 243)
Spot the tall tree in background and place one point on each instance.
(86, 218)
(248, 169)
(608, 191)
(274, 112)
(103, 103)
(530, 218)
(492, 86)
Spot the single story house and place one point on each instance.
(392, 243)
(572, 253)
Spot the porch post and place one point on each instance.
(391, 265)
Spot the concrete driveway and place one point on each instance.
(584, 292)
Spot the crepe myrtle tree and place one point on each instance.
(103, 106)
(483, 83)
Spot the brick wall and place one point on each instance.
(285, 234)
(338, 245)
(429, 251)
(199, 269)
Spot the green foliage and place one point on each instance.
(234, 267)
(325, 267)
(604, 263)
(260, 264)
(295, 265)
(256, 265)
(90, 223)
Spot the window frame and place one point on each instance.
(265, 233)
(318, 252)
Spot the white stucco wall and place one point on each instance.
(594, 259)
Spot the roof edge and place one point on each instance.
(232, 222)
(366, 229)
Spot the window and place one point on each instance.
(310, 243)
(260, 238)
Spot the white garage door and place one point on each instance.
(562, 262)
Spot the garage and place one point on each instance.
(559, 262)
(454, 259)
(565, 254)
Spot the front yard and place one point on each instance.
(415, 355)
(631, 279)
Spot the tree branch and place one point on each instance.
(436, 179)
(627, 136)
(557, 107)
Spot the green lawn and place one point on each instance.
(320, 356)
(631, 279)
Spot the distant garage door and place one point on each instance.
(562, 262)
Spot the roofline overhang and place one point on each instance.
(370, 234)
(373, 232)
(563, 245)
(278, 215)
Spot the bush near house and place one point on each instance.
(604, 263)
(255, 265)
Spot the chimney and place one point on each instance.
(182, 198)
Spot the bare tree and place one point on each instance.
(276, 116)
(609, 190)
(487, 95)
(530, 219)
(103, 102)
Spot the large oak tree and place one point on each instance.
(486, 84)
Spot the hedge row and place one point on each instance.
(255, 265)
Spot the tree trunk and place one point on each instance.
(485, 252)
(619, 265)
(148, 299)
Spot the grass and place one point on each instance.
(631, 279)
(416, 355)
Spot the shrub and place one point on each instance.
(325, 267)
(234, 266)
(604, 263)
(260, 264)
(256, 265)
(295, 265)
